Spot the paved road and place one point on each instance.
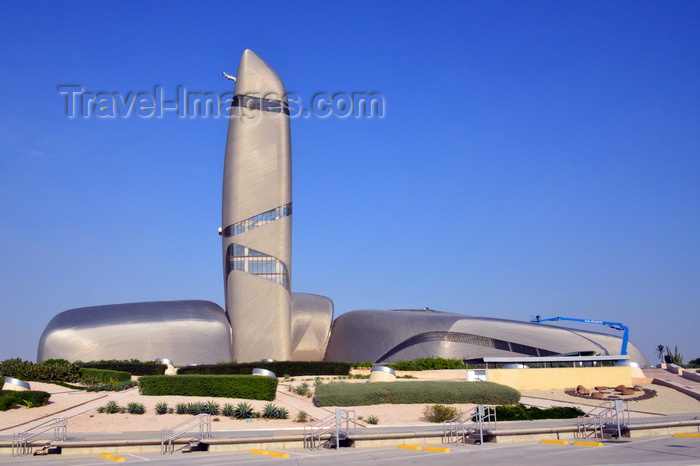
(660, 450)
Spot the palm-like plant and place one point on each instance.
(660, 352)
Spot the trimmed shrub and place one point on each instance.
(355, 394)
(112, 388)
(289, 368)
(519, 412)
(27, 371)
(439, 413)
(133, 367)
(228, 386)
(103, 377)
(426, 364)
(30, 398)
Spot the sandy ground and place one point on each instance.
(81, 409)
(666, 401)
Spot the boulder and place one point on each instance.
(580, 389)
(628, 391)
(620, 388)
(585, 391)
(597, 395)
(638, 388)
(601, 389)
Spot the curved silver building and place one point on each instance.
(186, 332)
(312, 317)
(256, 214)
(263, 319)
(383, 336)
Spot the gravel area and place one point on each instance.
(666, 401)
(81, 409)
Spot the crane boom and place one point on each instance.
(613, 325)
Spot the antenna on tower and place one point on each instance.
(228, 76)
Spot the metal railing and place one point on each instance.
(607, 415)
(459, 428)
(337, 426)
(200, 422)
(20, 440)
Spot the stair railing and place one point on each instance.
(341, 423)
(200, 422)
(475, 420)
(20, 440)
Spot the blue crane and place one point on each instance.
(613, 325)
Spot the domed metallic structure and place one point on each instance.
(263, 318)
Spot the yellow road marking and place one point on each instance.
(555, 442)
(588, 444)
(276, 454)
(410, 447)
(437, 449)
(115, 458)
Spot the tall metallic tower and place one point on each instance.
(256, 216)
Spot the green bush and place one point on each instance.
(30, 398)
(519, 412)
(91, 376)
(356, 394)
(161, 407)
(694, 364)
(228, 410)
(439, 413)
(302, 416)
(372, 419)
(181, 408)
(56, 370)
(111, 407)
(135, 408)
(289, 368)
(228, 386)
(426, 364)
(243, 410)
(108, 387)
(133, 366)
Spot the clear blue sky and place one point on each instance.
(535, 158)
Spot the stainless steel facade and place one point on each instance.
(263, 319)
(187, 332)
(256, 215)
(312, 317)
(383, 336)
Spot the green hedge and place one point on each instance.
(362, 394)
(27, 371)
(426, 364)
(9, 398)
(249, 387)
(101, 377)
(132, 367)
(280, 368)
(523, 413)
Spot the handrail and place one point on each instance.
(330, 423)
(20, 439)
(609, 413)
(455, 430)
(167, 436)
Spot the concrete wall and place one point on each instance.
(563, 377)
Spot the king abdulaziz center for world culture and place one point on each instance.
(264, 319)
